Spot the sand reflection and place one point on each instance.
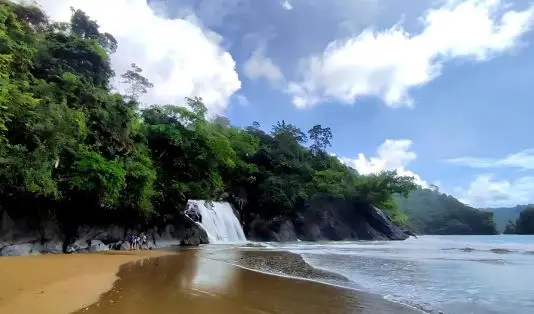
(190, 283)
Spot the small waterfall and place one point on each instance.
(218, 219)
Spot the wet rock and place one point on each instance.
(193, 212)
(409, 233)
(193, 235)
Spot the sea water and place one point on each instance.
(448, 274)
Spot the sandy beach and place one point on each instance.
(50, 284)
(190, 280)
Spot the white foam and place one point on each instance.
(219, 221)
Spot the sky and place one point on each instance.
(440, 90)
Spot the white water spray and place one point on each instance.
(218, 219)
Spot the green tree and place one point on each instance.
(321, 138)
(138, 84)
(510, 227)
(525, 222)
(73, 149)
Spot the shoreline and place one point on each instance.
(319, 275)
(160, 281)
(61, 283)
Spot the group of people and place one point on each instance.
(137, 242)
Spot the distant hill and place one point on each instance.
(432, 212)
(502, 215)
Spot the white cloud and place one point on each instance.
(259, 66)
(523, 159)
(242, 100)
(287, 5)
(179, 57)
(391, 155)
(387, 64)
(485, 191)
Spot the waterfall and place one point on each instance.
(218, 219)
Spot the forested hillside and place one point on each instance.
(524, 223)
(74, 150)
(431, 212)
(503, 215)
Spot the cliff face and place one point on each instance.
(329, 218)
(24, 237)
(323, 218)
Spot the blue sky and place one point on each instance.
(437, 89)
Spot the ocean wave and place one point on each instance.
(492, 250)
(296, 266)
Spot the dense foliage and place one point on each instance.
(524, 223)
(510, 228)
(431, 212)
(504, 215)
(73, 149)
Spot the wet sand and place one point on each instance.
(197, 281)
(50, 284)
(276, 262)
(193, 282)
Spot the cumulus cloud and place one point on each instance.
(178, 56)
(523, 159)
(387, 64)
(391, 155)
(486, 191)
(287, 5)
(259, 66)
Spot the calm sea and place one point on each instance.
(448, 274)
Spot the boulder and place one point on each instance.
(21, 249)
(119, 246)
(97, 246)
(79, 245)
(52, 246)
(194, 237)
(193, 234)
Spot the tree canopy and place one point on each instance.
(73, 148)
(525, 223)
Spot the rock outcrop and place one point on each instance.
(329, 218)
(277, 230)
(17, 238)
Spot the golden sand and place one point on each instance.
(188, 281)
(61, 283)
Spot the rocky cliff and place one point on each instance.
(19, 237)
(328, 218)
(322, 218)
